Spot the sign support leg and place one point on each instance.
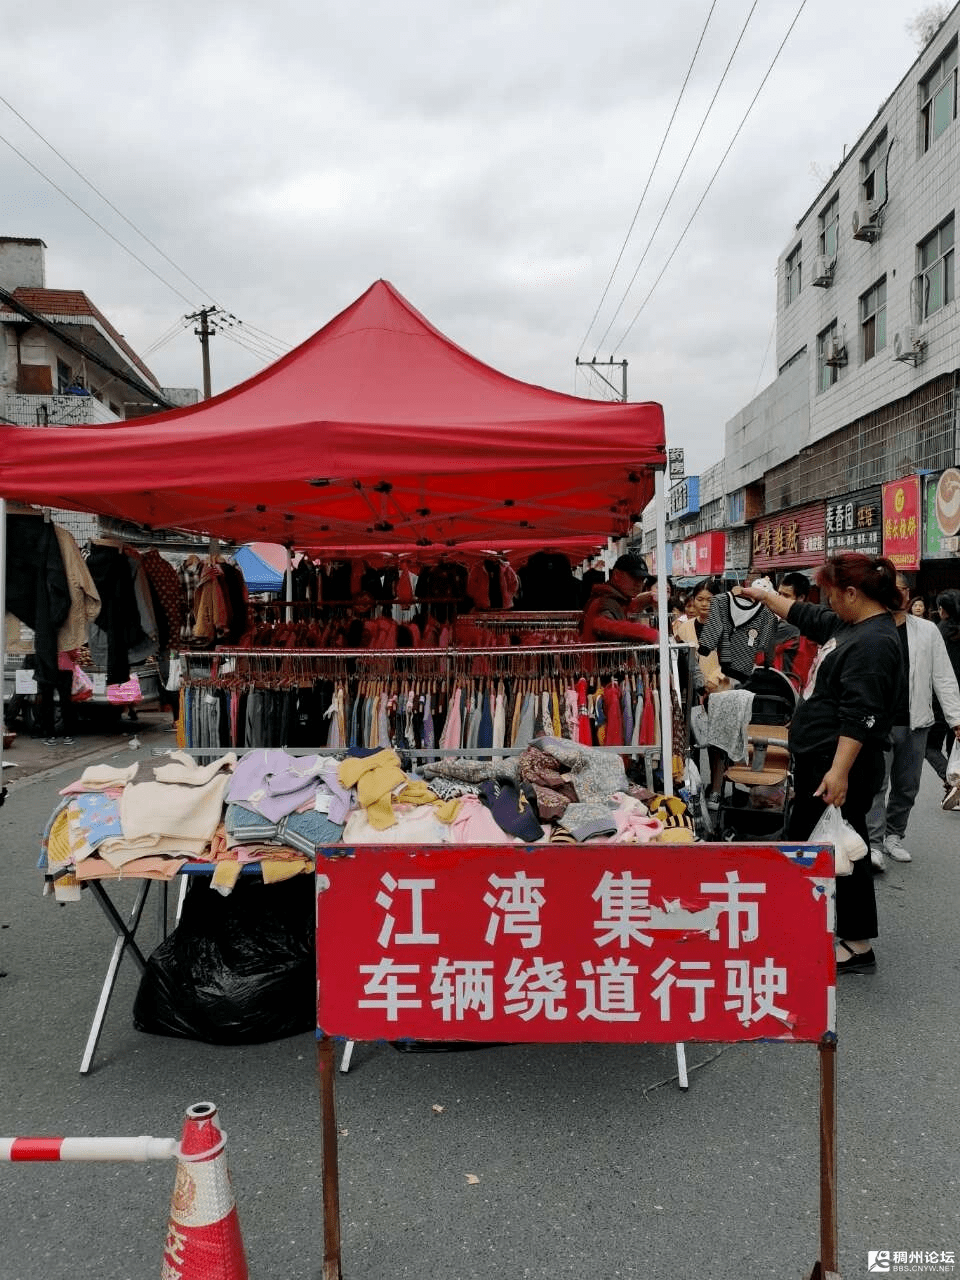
(331, 1173)
(826, 1268)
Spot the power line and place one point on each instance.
(167, 336)
(262, 353)
(603, 296)
(683, 169)
(766, 352)
(714, 177)
(105, 231)
(104, 198)
(60, 156)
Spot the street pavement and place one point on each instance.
(513, 1162)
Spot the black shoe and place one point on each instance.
(856, 962)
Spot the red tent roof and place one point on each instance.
(376, 429)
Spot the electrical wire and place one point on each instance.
(167, 336)
(279, 342)
(153, 245)
(683, 169)
(86, 214)
(104, 198)
(713, 179)
(230, 327)
(633, 223)
(266, 357)
(765, 354)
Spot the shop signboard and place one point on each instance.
(901, 522)
(684, 498)
(853, 523)
(736, 558)
(539, 944)
(942, 516)
(703, 556)
(791, 540)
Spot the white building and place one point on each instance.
(62, 362)
(868, 341)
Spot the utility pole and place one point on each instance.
(622, 364)
(205, 332)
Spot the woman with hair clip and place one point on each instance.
(842, 724)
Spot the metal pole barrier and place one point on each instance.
(60, 1149)
(331, 1173)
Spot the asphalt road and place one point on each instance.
(585, 1160)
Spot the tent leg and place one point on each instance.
(3, 611)
(666, 708)
(682, 1080)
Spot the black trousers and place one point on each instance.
(856, 901)
(68, 712)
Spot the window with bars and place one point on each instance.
(938, 97)
(934, 282)
(829, 227)
(792, 268)
(873, 320)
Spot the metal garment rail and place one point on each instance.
(280, 668)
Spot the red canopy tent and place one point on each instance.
(376, 429)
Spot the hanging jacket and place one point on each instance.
(37, 589)
(117, 629)
(740, 630)
(84, 597)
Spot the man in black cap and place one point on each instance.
(605, 617)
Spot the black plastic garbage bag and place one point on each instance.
(235, 970)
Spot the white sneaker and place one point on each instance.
(894, 846)
(951, 797)
(877, 858)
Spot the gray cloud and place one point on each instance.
(486, 159)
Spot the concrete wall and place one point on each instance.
(773, 427)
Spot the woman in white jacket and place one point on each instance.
(930, 672)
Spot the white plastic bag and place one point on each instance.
(953, 764)
(848, 846)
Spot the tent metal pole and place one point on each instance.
(3, 632)
(666, 710)
(288, 576)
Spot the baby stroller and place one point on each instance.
(755, 796)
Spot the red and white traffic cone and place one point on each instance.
(203, 1234)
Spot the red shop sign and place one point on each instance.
(791, 540)
(537, 944)
(901, 522)
(707, 554)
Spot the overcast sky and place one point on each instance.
(487, 159)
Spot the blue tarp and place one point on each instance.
(259, 575)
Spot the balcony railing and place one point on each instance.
(25, 410)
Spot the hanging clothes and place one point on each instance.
(37, 590)
(584, 727)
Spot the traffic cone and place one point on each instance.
(203, 1234)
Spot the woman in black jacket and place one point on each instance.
(841, 726)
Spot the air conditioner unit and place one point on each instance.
(866, 222)
(835, 353)
(823, 270)
(910, 344)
